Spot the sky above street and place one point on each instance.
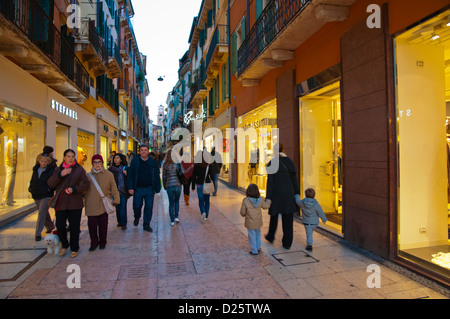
(162, 29)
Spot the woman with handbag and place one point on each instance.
(42, 193)
(119, 170)
(203, 178)
(102, 185)
(172, 181)
(70, 182)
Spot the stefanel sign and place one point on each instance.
(63, 110)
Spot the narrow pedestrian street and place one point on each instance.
(195, 260)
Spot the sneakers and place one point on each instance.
(177, 220)
(203, 218)
(172, 223)
(309, 248)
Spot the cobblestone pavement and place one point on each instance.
(196, 260)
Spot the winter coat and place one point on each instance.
(251, 210)
(198, 176)
(282, 187)
(77, 180)
(115, 171)
(311, 210)
(38, 185)
(94, 202)
(170, 176)
(133, 172)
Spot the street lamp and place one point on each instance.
(161, 78)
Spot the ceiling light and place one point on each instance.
(434, 36)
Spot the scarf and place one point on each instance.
(65, 165)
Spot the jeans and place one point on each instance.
(309, 228)
(216, 183)
(140, 195)
(254, 238)
(121, 210)
(44, 218)
(174, 192)
(203, 200)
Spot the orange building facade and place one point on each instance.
(360, 94)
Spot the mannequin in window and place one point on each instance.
(10, 167)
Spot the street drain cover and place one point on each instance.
(14, 262)
(294, 258)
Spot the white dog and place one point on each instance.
(52, 244)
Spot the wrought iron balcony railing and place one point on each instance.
(272, 21)
(34, 22)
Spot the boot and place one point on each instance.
(186, 199)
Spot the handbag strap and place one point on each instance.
(97, 186)
(206, 173)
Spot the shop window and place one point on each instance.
(22, 138)
(252, 170)
(85, 149)
(423, 113)
(321, 151)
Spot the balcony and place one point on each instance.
(30, 39)
(124, 89)
(114, 62)
(91, 47)
(281, 28)
(198, 88)
(217, 54)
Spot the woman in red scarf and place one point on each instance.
(71, 183)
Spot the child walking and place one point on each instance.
(311, 213)
(251, 210)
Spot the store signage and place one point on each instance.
(63, 110)
(188, 117)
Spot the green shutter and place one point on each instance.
(243, 29)
(209, 19)
(259, 8)
(234, 53)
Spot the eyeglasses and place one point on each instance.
(97, 162)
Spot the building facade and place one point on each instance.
(356, 89)
(70, 68)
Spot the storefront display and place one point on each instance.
(263, 119)
(321, 150)
(423, 112)
(85, 149)
(22, 138)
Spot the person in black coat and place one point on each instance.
(282, 187)
(42, 193)
(198, 178)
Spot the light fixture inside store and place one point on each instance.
(434, 36)
(448, 22)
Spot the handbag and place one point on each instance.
(54, 202)
(107, 202)
(208, 187)
(181, 177)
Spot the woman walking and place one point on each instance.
(95, 210)
(201, 174)
(42, 193)
(70, 182)
(172, 185)
(119, 170)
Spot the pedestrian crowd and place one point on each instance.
(68, 188)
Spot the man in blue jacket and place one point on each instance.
(143, 183)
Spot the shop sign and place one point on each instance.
(188, 117)
(64, 110)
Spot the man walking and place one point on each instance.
(143, 183)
